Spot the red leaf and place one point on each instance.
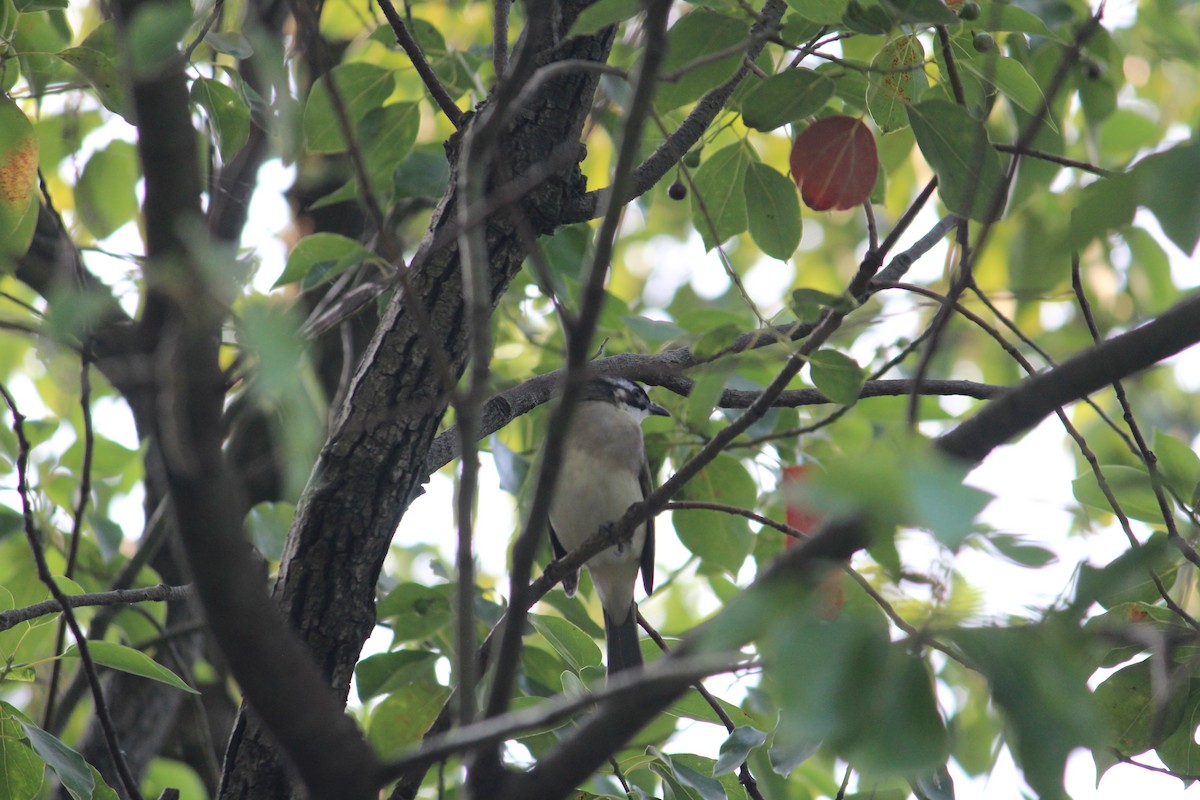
(834, 163)
(799, 517)
(831, 597)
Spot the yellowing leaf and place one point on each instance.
(18, 180)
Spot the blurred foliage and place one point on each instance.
(912, 668)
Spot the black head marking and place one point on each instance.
(621, 392)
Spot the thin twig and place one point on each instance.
(85, 491)
(744, 775)
(1080, 442)
(1032, 344)
(951, 67)
(413, 50)
(1042, 155)
(1144, 451)
(128, 783)
(629, 687)
(161, 593)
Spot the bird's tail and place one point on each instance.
(623, 649)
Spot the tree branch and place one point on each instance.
(118, 597)
(655, 370)
(440, 96)
(1024, 406)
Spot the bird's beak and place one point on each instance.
(658, 411)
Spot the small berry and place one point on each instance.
(677, 191)
(969, 11)
(692, 159)
(983, 42)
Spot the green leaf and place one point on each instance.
(807, 304)
(825, 12)
(18, 180)
(320, 257)
(231, 43)
(693, 706)
(24, 772)
(1127, 578)
(715, 341)
(928, 11)
(704, 787)
(838, 376)
(386, 672)
(126, 659)
(155, 31)
(415, 611)
(898, 81)
(719, 202)
(1136, 719)
(1001, 15)
(695, 36)
(37, 40)
(104, 195)
(1104, 205)
(267, 527)
(1131, 486)
(1010, 77)
(73, 772)
(1015, 549)
(424, 173)
(32, 6)
(94, 59)
(1179, 751)
(386, 136)
(706, 391)
(362, 88)
(573, 645)
(167, 773)
(789, 96)
(404, 716)
(942, 503)
(227, 112)
(772, 210)
(720, 540)
(956, 146)
(868, 18)
(1038, 675)
(1167, 186)
(602, 14)
(1178, 463)
(736, 749)
(906, 734)
(843, 661)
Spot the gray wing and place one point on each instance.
(570, 581)
(648, 547)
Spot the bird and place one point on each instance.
(605, 471)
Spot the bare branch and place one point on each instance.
(118, 597)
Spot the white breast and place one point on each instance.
(598, 482)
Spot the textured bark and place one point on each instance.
(374, 461)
